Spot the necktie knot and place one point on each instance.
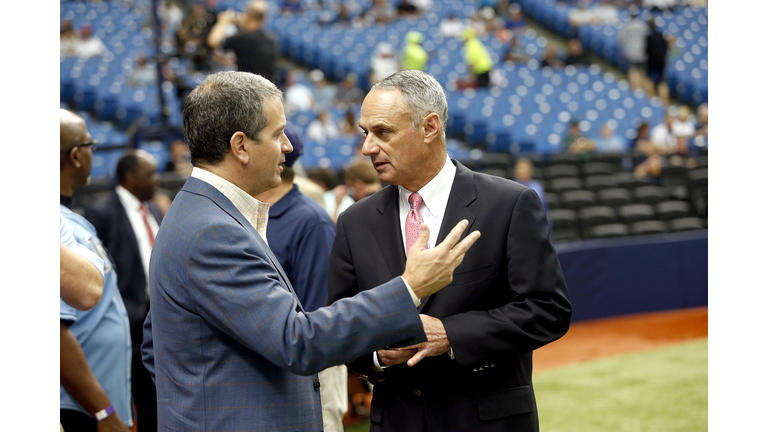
(415, 200)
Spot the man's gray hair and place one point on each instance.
(422, 95)
(225, 103)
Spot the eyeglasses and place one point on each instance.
(93, 144)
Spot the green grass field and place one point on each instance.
(662, 390)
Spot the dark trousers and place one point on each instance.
(483, 79)
(75, 421)
(142, 388)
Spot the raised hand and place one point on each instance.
(429, 270)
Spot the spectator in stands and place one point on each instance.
(384, 63)
(128, 222)
(576, 54)
(683, 125)
(323, 128)
(659, 5)
(380, 11)
(298, 97)
(608, 142)
(515, 21)
(348, 94)
(515, 52)
(348, 125)
(551, 59)
(300, 234)
(477, 23)
(414, 56)
(256, 50)
(662, 135)
(642, 142)
(492, 23)
(143, 72)
(362, 178)
(523, 174)
(631, 41)
(656, 60)
(701, 135)
(291, 7)
(192, 35)
(95, 345)
(323, 93)
(406, 9)
(180, 162)
(477, 58)
(575, 142)
(451, 27)
(650, 168)
(344, 16)
(89, 45)
(423, 6)
(335, 198)
(603, 13)
(68, 39)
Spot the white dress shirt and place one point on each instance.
(435, 200)
(132, 207)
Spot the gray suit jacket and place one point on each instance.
(226, 340)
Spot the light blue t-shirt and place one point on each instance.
(67, 236)
(103, 332)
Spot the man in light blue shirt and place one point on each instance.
(95, 356)
(82, 275)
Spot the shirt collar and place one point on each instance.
(435, 193)
(128, 199)
(255, 211)
(66, 201)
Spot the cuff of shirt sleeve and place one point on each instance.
(376, 366)
(416, 301)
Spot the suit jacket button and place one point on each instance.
(316, 385)
(417, 392)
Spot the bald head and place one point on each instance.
(75, 153)
(256, 10)
(73, 130)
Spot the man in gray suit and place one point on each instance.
(228, 343)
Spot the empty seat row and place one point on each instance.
(614, 197)
(561, 233)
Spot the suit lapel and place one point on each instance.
(462, 195)
(200, 187)
(388, 233)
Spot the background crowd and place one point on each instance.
(619, 146)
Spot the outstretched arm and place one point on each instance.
(78, 380)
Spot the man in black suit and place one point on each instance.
(507, 298)
(127, 222)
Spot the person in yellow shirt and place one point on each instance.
(414, 56)
(477, 58)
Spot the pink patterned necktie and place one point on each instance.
(413, 221)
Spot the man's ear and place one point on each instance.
(238, 147)
(431, 127)
(74, 156)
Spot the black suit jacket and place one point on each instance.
(508, 297)
(115, 231)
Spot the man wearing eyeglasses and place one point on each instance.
(95, 356)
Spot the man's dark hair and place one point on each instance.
(127, 163)
(225, 103)
(325, 176)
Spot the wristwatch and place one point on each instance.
(103, 414)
